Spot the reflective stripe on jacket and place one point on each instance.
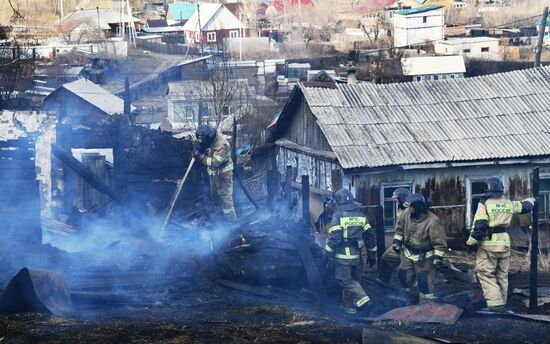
(497, 212)
(218, 157)
(424, 233)
(348, 229)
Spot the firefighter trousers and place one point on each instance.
(348, 274)
(388, 263)
(221, 191)
(492, 272)
(423, 273)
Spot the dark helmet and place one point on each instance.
(206, 134)
(417, 201)
(493, 186)
(345, 200)
(401, 194)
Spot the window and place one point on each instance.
(182, 111)
(474, 191)
(452, 76)
(234, 34)
(544, 199)
(424, 19)
(465, 51)
(390, 206)
(418, 78)
(197, 37)
(211, 36)
(435, 77)
(484, 49)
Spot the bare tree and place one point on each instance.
(16, 60)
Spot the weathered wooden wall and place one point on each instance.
(19, 194)
(449, 190)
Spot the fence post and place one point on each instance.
(288, 186)
(380, 232)
(305, 202)
(533, 292)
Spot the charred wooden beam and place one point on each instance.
(83, 171)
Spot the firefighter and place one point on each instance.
(489, 232)
(348, 228)
(390, 259)
(421, 240)
(214, 152)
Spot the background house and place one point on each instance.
(217, 23)
(418, 25)
(82, 25)
(546, 30)
(180, 12)
(481, 48)
(419, 68)
(443, 138)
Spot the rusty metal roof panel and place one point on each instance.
(488, 117)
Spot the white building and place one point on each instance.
(481, 48)
(425, 67)
(546, 38)
(418, 25)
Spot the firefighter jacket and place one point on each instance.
(348, 229)
(217, 158)
(421, 237)
(491, 221)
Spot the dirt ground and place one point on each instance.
(188, 309)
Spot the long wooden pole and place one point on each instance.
(540, 40)
(175, 198)
(533, 292)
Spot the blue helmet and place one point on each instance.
(345, 200)
(417, 201)
(206, 134)
(493, 186)
(401, 194)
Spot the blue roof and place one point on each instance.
(418, 10)
(181, 10)
(547, 21)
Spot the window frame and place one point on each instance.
(424, 19)
(484, 49)
(544, 216)
(393, 185)
(466, 50)
(234, 34)
(211, 36)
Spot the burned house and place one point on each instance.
(443, 138)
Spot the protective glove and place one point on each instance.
(371, 259)
(197, 154)
(396, 246)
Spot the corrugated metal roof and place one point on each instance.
(95, 95)
(489, 117)
(420, 9)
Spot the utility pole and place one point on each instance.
(200, 27)
(240, 38)
(533, 290)
(98, 25)
(61, 12)
(542, 30)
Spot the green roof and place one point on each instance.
(547, 21)
(181, 10)
(418, 10)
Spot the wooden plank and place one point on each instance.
(17, 165)
(312, 272)
(21, 143)
(28, 175)
(17, 154)
(372, 335)
(83, 171)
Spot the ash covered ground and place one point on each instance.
(182, 291)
